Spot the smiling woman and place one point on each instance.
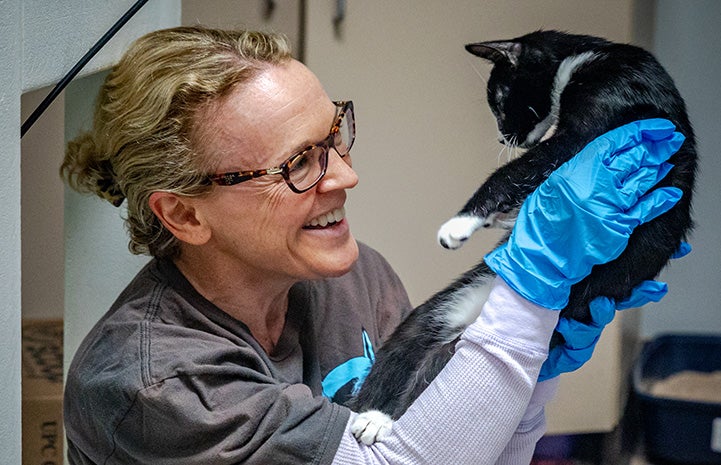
(240, 257)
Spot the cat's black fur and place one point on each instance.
(620, 83)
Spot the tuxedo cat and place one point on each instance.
(551, 93)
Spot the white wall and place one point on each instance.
(57, 33)
(687, 41)
(10, 77)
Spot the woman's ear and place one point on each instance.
(179, 216)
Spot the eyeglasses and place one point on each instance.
(304, 169)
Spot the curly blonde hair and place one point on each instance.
(145, 131)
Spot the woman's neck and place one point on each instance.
(261, 303)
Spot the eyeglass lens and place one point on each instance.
(305, 169)
(308, 167)
(345, 136)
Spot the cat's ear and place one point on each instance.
(497, 52)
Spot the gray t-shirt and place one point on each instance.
(167, 377)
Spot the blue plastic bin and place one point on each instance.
(679, 431)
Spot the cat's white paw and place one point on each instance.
(454, 232)
(371, 426)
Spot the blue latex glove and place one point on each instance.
(581, 339)
(584, 213)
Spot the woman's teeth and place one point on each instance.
(328, 218)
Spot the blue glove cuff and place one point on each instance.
(540, 289)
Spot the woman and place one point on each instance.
(234, 164)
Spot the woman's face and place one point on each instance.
(261, 225)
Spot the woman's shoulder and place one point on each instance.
(157, 327)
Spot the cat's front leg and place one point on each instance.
(371, 427)
(497, 201)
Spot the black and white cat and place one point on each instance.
(551, 93)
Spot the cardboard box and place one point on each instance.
(42, 392)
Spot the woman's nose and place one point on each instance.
(339, 174)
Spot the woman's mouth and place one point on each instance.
(326, 219)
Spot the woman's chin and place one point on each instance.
(337, 261)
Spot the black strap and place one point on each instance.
(78, 66)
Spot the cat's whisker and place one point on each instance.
(500, 153)
(513, 149)
(507, 146)
(516, 149)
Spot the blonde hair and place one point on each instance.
(145, 131)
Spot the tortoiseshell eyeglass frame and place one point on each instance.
(343, 108)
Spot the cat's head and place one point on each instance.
(521, 83)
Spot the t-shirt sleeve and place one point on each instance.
(223, 417)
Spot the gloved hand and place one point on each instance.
(581, 339)
(584, 213)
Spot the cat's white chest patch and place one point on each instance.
(466, 305)
(547, 127)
